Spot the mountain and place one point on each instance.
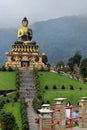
(7, 38)
(59, 38)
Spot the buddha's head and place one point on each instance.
(25, 22)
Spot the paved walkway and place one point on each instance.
(27, 90)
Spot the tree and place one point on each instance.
(77, 58)
(71, 63)
(74, 60)
(44, 59)
(8, 121)
(48, 66)
(60, 64)
(83, 67)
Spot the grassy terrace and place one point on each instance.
(7, 80)
(50, 79)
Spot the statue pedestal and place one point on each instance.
(25, 56)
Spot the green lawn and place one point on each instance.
(72, 96)
(15, 109)
(50, 79)
(7, 80)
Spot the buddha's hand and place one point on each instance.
(26, 33)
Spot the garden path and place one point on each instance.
(27, 90)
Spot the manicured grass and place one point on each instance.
(73, 96)
(15, 109)
(7, 80)
(50, 79)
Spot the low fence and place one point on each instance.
(57, 120)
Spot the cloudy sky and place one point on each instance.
(13, 11)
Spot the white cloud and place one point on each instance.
(12, 11)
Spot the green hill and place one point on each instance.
(50, 79)
(60, 38)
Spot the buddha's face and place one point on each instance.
(25, 23)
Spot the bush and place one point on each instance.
(17, 95)
(17, 79)
(48, 102)
(54, 87)
(37, 104)
(10, 69)
(3, 68)
(46, 87)
(2, 104)
(23, 111)
(71, 87)
(63, 87)
(80, 88)
(8, 121)
(7, 100)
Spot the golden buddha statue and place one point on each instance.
(24, 33)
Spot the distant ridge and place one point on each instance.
(59, 38)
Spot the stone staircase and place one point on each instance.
(27, 90)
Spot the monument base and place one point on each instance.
(25, 56)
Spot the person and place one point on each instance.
(75, 116)
(25, 33)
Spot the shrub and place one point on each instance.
(23, 111)
(54, 87)
(10, 69)
(3, 68)
(63, 87)
(15, 99)
(17, 95)
(71, 87)
(80, 88)
(2, 104)
(8, 121)
(37, 104)
(46, 87)
(47, 102)
(39, 95)
(7, 100)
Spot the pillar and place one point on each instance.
(45, 117)
(60, 114)
(83, 112)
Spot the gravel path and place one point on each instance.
(27, 90)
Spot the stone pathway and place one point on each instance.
(27, 90)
